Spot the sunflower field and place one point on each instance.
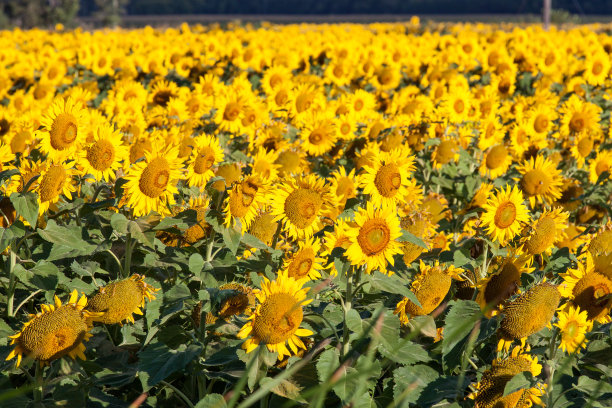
(382, 215)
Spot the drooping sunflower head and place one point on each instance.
(490, 389)
(58, 330)
(502, 283)
(299, 204)
(601, 243)
(417, 223)
(241, 300)
(373, 238)
(504, 214)
(277, 317)
(430, 288)
(119, 300)
(548, 230)
(244, 200)
(206, 153)
(529, 313)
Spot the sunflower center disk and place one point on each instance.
(445, 151)
(496, 157)
(373, 236)
(543, 237)
(303, 102)
(505, 215)
(541, 123)
(231, 112)
(302, 207)
(101, 155)
(459, 106)
(585, 146)
(597, 68)
(590, 294)
(388, 180)
(63, 131)
(600, 167)
(279, 317)
(204, 161)
(162, 98)
(155, 177)
(52, 183)
(315, 137)
(535, 182)
(577, 123)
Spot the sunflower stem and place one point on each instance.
(38, 384)
(179, 393)
(128, 255)
(11, 288)
(552, 353)
(348, 300)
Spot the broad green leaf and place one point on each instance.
(157, 361)
(26, 205)
(410, 382)
(44, 275)
(119, 223)
(407, 236)
(327, 363)
(407, 352)
(196, 263)
(392, 284)
(353, 321)
(521, 380)
(459, 322)
(212, 401)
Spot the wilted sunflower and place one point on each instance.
(430, 288)
(205, 154)
(528, 313)
(574, 325)
(548, 230)
(387, 179)
(300, 203)
(502, 283)
(541, 181)
(117, 301)
(277, 318)
(244, 200)
(374, 238)
(65, 125)
(58, 330)
(588, 290)
(504, 214)
(490, 389)
(151, 184)
(305, 262)
(104, 155)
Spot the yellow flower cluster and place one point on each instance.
(352, 142)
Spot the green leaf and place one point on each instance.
(44, 275)
(157, 361)
(26, 205)
(212, 401)
(410, 382)
(459, 322)
(231, 238)
(253, 241)
(407, 352)
(520, 381)
(70, 237)
(134, 229)
(327, 363)
(196, 263)
(413, 239)
(392, 284)
(353, 321)
(119, 223)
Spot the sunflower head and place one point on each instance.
(58, 330)
(529, 313)
(548, 230)
(119, 300)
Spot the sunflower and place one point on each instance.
(588, 290)
(601, 163)
(231, 107)
(491, 133)
(430, 288)
(117, 301)
(574, 325)
(578, 116)
(387, 179)
(277, 317)
(264, 164)
(300, 203)
(201, 228)
(343, 185)
(601, 243)
(54, 181)
(541, 180)
(418, 223)
(162, 91)
(547, 231)
(574, 238)
(240, 300)
(490, 390)
(58, 330)
(318, 133)
(230, 172)
(581, 147)
(291, 162)
(374, 238)
(264, 227)
(502, 282)
(445, 152)
(305, 262)
(596, 68)
(541, 120)
(504, 214)
(528, 313)
(205, 154)
(495, 162)
(244, 200)
(65, 127)
(104, 155)
(151, 184)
